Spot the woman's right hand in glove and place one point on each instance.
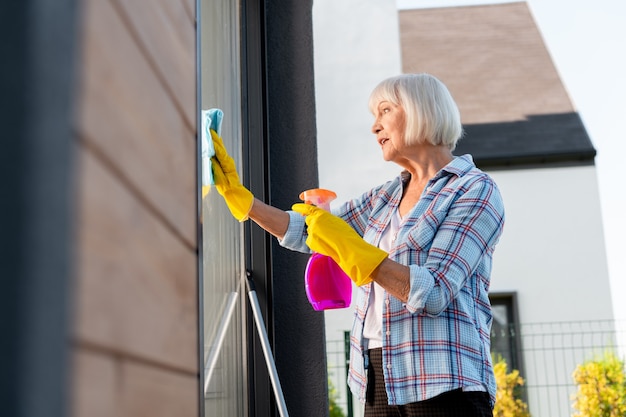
(238, 198)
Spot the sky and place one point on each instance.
(587, 42)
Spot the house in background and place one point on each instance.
(550, 273)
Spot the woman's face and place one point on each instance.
(389, 128)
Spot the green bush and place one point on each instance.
(508, 403)
(601, 387)
(335, 410)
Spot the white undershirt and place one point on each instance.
(373, 330)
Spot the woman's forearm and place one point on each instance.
(394, 278)
(269, 218)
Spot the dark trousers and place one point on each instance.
(449, 404)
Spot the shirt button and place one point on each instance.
(387, 302)
(388, 366)
(388, 333)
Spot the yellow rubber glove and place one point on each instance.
(238, 198)
(332, 236)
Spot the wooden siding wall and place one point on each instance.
(136, 332)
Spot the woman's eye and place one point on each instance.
(386, 110)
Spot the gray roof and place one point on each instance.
(514, 107)
(546, 139)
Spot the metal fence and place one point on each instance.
(337, 357)
(552, 351)
(546, 354)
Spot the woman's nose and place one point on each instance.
(376, 127)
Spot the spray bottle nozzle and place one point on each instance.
(318, 197)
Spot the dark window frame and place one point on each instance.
(509, 300)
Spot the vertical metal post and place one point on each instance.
(265, 343)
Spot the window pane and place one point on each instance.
(500, 335)
(223, 300)
(504, 337)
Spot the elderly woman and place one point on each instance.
(418, 247)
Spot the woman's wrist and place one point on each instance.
(394, 278)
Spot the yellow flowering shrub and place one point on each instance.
(507, 402)
(601, 387)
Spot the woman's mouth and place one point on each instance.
(382, 141)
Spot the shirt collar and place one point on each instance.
(459, 166)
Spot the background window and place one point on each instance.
(505, 337)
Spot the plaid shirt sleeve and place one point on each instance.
(466, 229)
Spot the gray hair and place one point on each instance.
(431, 113)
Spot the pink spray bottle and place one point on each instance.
(327, 286)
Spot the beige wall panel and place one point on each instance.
(95, 386)
(155, 392)
(127, 115)
(190, 7)
(112, 386)
(137, 290)
(165, 32)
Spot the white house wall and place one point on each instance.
(552, 250)
(357, 45)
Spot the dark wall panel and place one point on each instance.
(38, 45)
(298, 329)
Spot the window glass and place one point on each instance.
(223, 300)
(505, 330)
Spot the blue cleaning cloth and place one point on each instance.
(211, 119)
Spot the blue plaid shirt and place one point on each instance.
(439, 339)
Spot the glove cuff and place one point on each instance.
(239, 202)
(366, 268)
